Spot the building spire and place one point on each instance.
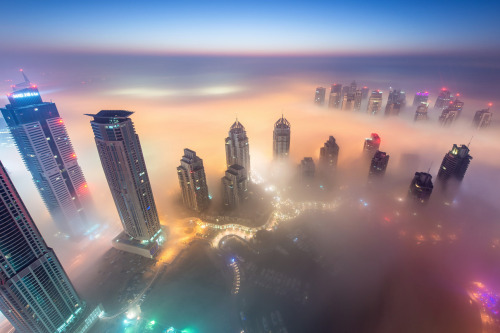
(26, 80)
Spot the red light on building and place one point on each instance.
(33, 86)
(458, 95)
(74, 155)
(490, 104)
(60, 121)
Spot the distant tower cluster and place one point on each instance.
(378, 164)
(237, 148)
(235, 186)
(421, 187)
(451, 113)
(455, 163)
(421, 113)
(421, 97)
(482, 118)
(329, 154)
(374, 102)
(36, 295)
(193, 181)
(395, 103)
(319, 97)
(44, 144)
(372, 144)
(281, 139)
(443, 99)
(307, 167)
(335, 99)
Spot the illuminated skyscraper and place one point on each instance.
(234, 186)
(335, 100)
(328, 155)
(358, 96)
(374, 102)
(443, 99)
(455, 163)
(421, 97)
(365, 91)
(237, 148)
(421, 113)
(36, 295)
(193, 181)
(121, 157)
(482, 118)
(378, 164)
(348, 102)
(395, 103)
(353, 87)
(345, 90)
(45, 147)
(372, 144)
(421, 187)
(451, 113)
(281, 139)
(319, 96)
(307, 167)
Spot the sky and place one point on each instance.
(252, 27)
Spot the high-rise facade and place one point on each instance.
(234, 186)
(395, 103)
(353, 87)
(307, 167)
(358, 97)
(371, 145)
(348, 102)
(374, 102)
(455, 163)
(421, 187)
(281, 139)
(36, 295)
(365, 91)
(443, 99)
(421, 113)
(237, 148)
(378, 164)
(482, 118)
(329, 154)
(421, 97)
(451, 113)
(45, 147)
(319, 96)
(335, 100)
(121, 157)
(193, 181)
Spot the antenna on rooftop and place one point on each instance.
(470, 141)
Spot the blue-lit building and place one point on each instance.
(36, 295)
(45, 147)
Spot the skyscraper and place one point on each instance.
(451, 113)
(353, 87)
(36, 295)
(358, 96)
(328, 155)
(193, 181)
(307, 168)
(421, 187)
(234, 186)
(395, 103)
(335, 100)
(443, 99)
(345, 91)
(121, 157)
(365, 91)
(372, 144)
(374, 102)
(482, 118)
(455, 163)
(348, 102)
(421, 97)
(45, 147)
(237, 149)
(319, 96)
(281, 139)
(378, 164)
(421, 113)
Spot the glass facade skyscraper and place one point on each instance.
(281, 139)
(193, 181)
(237, 148)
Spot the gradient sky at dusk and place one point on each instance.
(262, 27)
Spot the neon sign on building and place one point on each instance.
(26, 94)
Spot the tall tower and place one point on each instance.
(335, 100)
(358, 97)
(281, 139)
(319, 96)
(482, 118)
(329, 154)
(378, 164)
(421, 113)
(421, 97)
(348, 102)
(452, 112)
(45, 147)
(234, 186)
(421, 187)
(193, 181)
(374, 102)
(443, 99)
(455, 163)
(372, 144)
(395, 103)
(36, 295)
(365, 91)
(121, 157)
(237, 149)
(307, 167)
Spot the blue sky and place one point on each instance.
(252, 27)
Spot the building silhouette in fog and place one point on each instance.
(443, 100)
(124, 166)
(45, 147)
(335, 99)
(358, 97)
(378, 164)
(319, 96)
(421, 97)
(364, 92)
(374, 102)
(421, 113)
(328, 155)
(421, 187)
(281, 139)
(234, 186)
(353, 87)
(371, 145)
(395, 103)
(193, 181)
(482, 118)
(348, 102)
(455, 163)
(237, 148)
(307, 167)
(451, 113)
(36, 295)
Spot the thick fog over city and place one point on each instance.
(332, 250)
